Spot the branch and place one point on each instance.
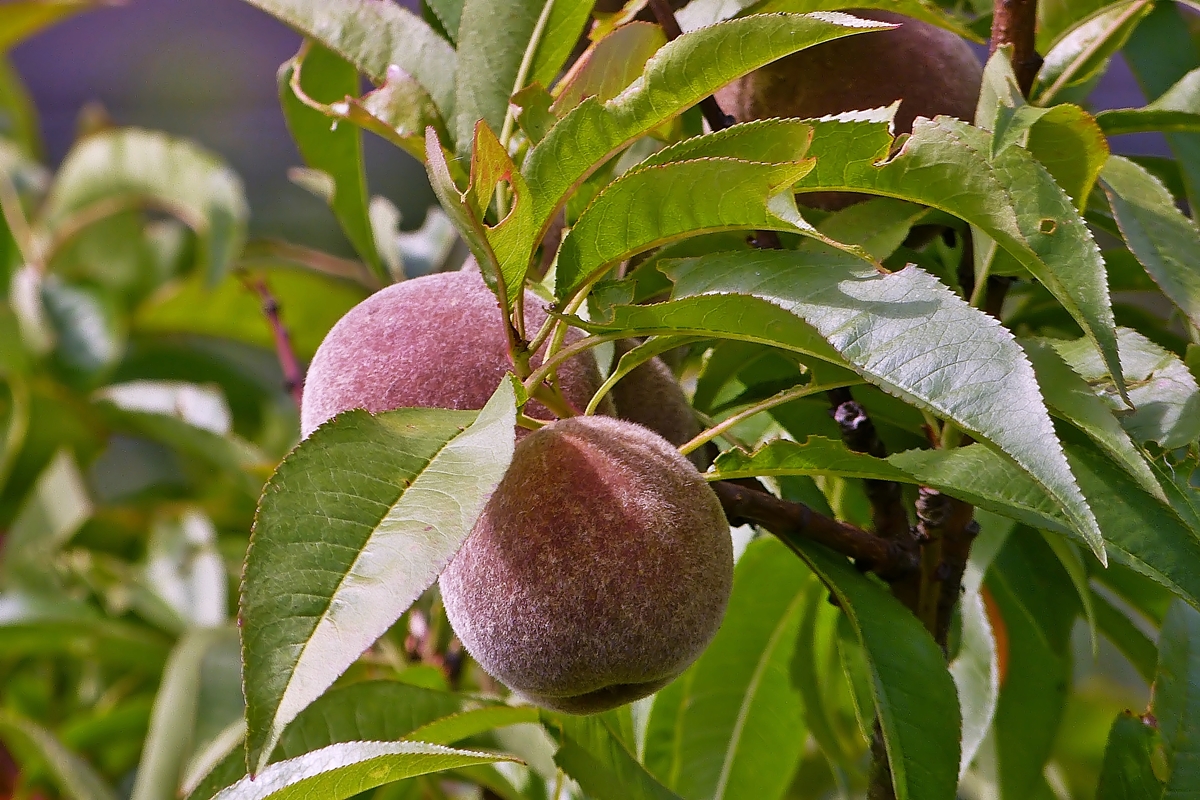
(858, 432)
(1014, 22)
(293, 375)
(795, 522)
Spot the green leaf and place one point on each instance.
(1144, 533)
(335, 150)
(659, 204)
(372, 36)
(1071, 398)
(184, 567)
(1038, 606)
(914, 694)
(766, 141)
(816, 456)
(567, 21)
(138, 166)
(592, 753)
(384, 710)
(18, 116)
(309, 305)
(1176, 110)
(707, 737)
(344, 770)
(86, 325)
(397, 493)
(1164, 394)
(38, 624)
(918, 9)
(1083, 51)
(1176, 701)
(1127, 636)
(910, 335)
(1165, 242)
(493, 36)
(1127, 772)
(50, 515)
(24, 18)
(680, 74)
(976, 673)
(609, 66)
(77, 779)
(948, 165)
(474, 722)
(173, 720)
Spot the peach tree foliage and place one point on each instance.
(142, 414)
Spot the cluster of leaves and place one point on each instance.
(141, 412)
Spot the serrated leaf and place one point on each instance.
(767, 141)
(398, 493)
(948, 165)
(910, 335)
(1177, 110)
(592, 753)
(608, 66)
(473, 722)
(976, 673)
(77, 779)
(344, 770)
(384, 710)
(1165, 395)
(1083, 51)
(913, 692)
(1146, 534)
(168, 173)
(493, 36)
(1127, 772)
(372, 36)
(681, 74)
(336, 150)
(659, 204)
(816, 456)
(513, 238)
(917, 9)
(1069, 397)
(1165, 242)
(1176, 702)
(706, 738)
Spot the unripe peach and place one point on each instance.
(598, 571)
(435, 342)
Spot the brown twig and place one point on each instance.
(1014, 23)
(293, 375)
(795, 522)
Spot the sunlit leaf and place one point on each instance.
(342, 771)
(948, 165)
(913, 337)
(1082, 52)
(398, 493)
(678, 76)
